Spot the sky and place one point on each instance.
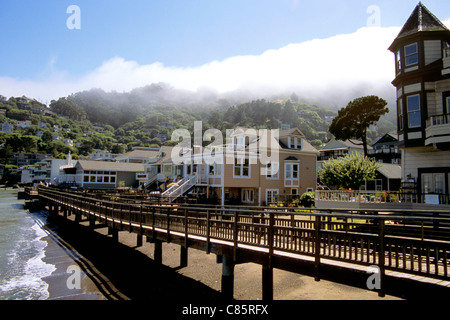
(51, 49)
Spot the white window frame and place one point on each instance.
(411, 54)
(98, 177)
(289, 179)
(272, 192)
(419, 111)
(248, 195)
(241, 166)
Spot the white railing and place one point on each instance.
(179, 188)
(379, 197)
(438, 120)
(358, 196)
(151, 178)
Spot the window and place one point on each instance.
(271, 195)
(433, 183)
(242, 167)
(399, 61)
(215, 169)
(400, 114)
(248, 195)
(272, 170)
(291, 171)
(414, 115)
(411, 55)
(447, 100)
(294, 143)
(291, 175)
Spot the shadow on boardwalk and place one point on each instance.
(133, 274)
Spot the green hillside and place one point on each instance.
(147, 116)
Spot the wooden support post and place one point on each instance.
(381, 258)
(158, 251)
(317, 249)
(228, 278)
(139, 240)
(183, 257)
(115, 235)
(77, 217)
(267, 283)
(91, 221)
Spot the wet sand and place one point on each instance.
(117, 271)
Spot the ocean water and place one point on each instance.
(21, 250)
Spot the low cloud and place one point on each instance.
(324, 71)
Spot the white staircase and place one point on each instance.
(150, 180)
(180, 188)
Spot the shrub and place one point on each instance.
(308, 199)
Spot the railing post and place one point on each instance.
(168, 224)
(267, 269)
(235, 235)
(317, 248)
(208, 236)
(381, 258)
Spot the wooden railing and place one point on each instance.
(418, 245)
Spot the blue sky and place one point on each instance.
(166, 36)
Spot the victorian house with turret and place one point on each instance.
(422, 66)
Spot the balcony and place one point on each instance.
(438, 129)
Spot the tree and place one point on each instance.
(67, 107)
(348, 172)
(353, 121)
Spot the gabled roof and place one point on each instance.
(391, 171)
(139, 154)
(421, 20)
(334, 144)
(388, 137)
(291, 132)
(110, 166)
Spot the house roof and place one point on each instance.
(421, 20)
(388, 137)
(139, 154)
(166, 155)
(391, 171)
(291, 132)
(110, 166)
(334, 144)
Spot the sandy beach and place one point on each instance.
(117, 271)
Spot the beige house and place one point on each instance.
(247, 170)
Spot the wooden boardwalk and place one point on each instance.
(399, 246)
